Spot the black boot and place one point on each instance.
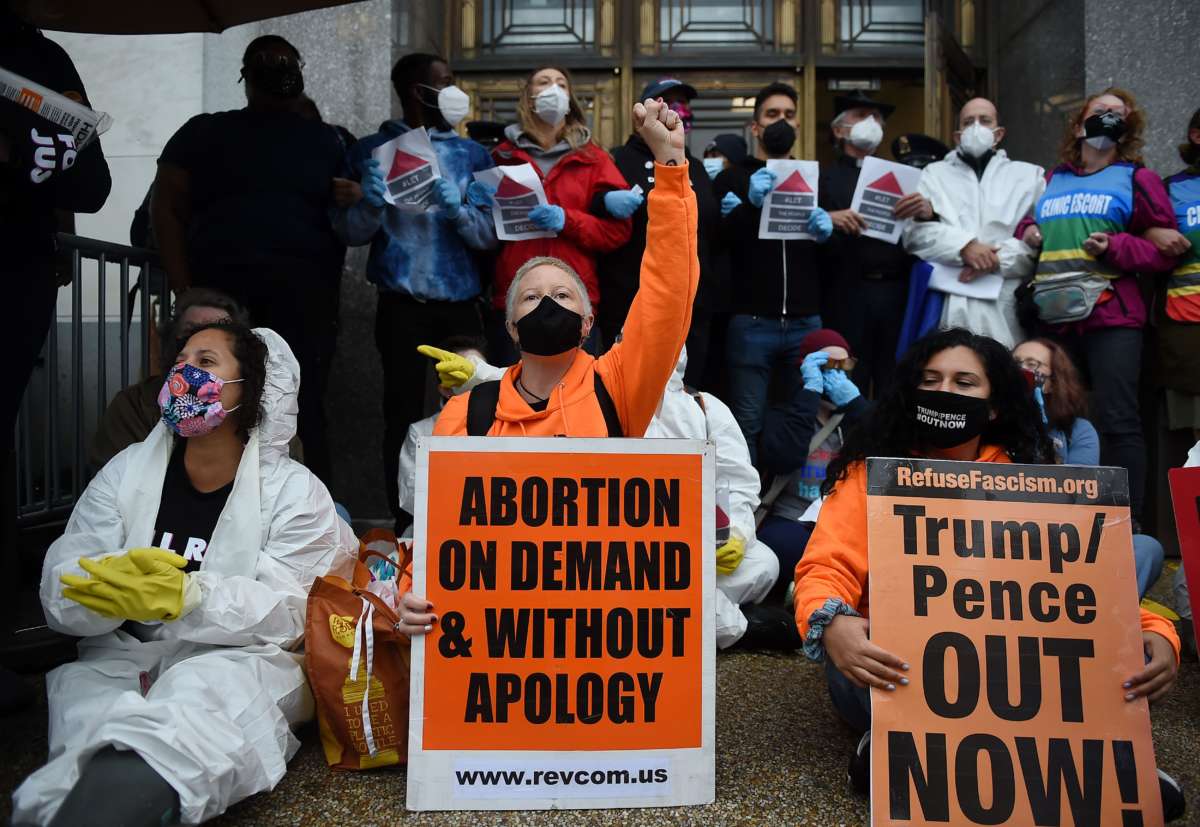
(768, 627)
(859, 771)
(1173, 803)
(119, 787)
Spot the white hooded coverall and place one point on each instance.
(208, 701)
(987, 210)
(681, 417)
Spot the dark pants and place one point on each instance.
(852, 703)
(874, 331)
(1111, 359)
(788, 539)
(401, 324)
(298, 299)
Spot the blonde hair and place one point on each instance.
(510, 299)
(575, 129)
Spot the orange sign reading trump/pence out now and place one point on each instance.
(1010, 591)
(570, 579)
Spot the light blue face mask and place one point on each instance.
(714, 166)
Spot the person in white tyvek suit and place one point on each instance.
(199, 708)
(979, 196)
(741, 619)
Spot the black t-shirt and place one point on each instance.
(187, 517)
(261, 185)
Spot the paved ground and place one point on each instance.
(781, 759)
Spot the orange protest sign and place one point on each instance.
(1010, 591)
(572, 580)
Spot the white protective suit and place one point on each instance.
(407, 478)
(987, 210)
(207, 700)
(680, 416)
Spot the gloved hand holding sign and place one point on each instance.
(548, 217)
(761, 183)
(820, 225)
(453, 370)
(145, 584)
(447, 196)
(480, 195)
(729, 556)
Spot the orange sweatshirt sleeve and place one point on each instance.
(1160, 625)
(452, 421)
(835, 561)
(635, 371)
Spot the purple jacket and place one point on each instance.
(1128, 252)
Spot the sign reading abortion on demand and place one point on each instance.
(1010, 591)
(572, 662)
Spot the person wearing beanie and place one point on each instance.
(799, 439)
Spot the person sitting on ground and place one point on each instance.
(134, 412)
(800, 438)
(187, 687)
(950, 372)
(1062, 398)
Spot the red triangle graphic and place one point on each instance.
(794, 183)
(405, 163)
(511, 189)
(887, 183)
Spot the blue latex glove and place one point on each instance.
(810, 371)
(548, 217)
(761, 183)
(820, 225)
(447, 196)
(838, 387)
(372, 183)
(622, 203)
(480, 195)
(729, 203)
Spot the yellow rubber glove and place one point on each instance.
(453, 370)
(729, 556)
(143, 584)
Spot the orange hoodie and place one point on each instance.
(635, 371)
(835, 561)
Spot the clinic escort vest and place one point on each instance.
(1183, 284)
(1075, 206)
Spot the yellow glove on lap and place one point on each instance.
(453, 370)
(729, 556)
(144, 584)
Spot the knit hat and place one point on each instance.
(820, 339)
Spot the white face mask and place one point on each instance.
(976, 139)
(1100, 143)
(866, 134)
(552, 104)
(454, 104)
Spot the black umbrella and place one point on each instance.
(158, 16)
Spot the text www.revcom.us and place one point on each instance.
(551, 778)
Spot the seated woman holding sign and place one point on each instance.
(951, 375)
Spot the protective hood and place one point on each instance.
(675, 383)
(280, 400)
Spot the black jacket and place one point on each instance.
(789, 428)
(619, 270)
(773, 278)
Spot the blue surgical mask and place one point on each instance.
(714, 166)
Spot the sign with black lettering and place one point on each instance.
(572, 662)
(1010, 591)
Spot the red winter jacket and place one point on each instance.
(573, 184)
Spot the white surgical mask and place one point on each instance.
(1100, 143)
(866, 134)
(714, 166)
(454, 104)
(976, 139)
(552, 104)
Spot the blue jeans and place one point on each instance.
(788, 539)
(756, 346)
(852, 703)
(1147, 562)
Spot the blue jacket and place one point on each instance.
(427, 256)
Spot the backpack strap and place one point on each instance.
(608, 408)
(481, 407)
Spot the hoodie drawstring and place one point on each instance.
(562, 409)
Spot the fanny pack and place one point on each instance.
(1070, 297)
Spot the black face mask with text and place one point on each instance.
(945, 419)
(778, 138)
(549, 329)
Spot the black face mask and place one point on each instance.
(280, 80)
(777, 139)
(1104, 125)
(948, 419)
(549, 329)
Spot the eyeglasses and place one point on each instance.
(1033, 365)
(848, 364)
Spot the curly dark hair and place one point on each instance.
(889, 429)
(1188, 151)
(251, 354)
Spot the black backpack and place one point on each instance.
(481, 408)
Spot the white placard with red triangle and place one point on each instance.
(410, 168)
(880, 185)
(789, 204)
(518, 190)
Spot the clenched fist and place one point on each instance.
(661, 129)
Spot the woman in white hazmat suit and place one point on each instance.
(187, 685)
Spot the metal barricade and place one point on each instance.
(106, 348)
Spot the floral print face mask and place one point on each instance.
(190, 401)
